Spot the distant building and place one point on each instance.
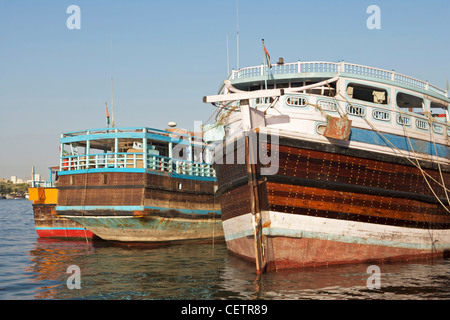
(16, 180)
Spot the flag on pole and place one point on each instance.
(107, 115)
(266, 55)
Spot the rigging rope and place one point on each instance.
(416, 163)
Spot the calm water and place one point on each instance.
(32, 268)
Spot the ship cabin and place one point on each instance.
(174, 152)
(305, 90)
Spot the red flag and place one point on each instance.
(107, 115)
(266, 54)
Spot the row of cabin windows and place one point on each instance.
(325, 90)
(405, 102)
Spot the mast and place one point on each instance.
(228, 60)
(112, 90)
(237, 28)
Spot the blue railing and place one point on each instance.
(145, 157)
(135, 160)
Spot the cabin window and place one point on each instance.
(265, 100)
(324, 90)
(438, 111)
(366, 93)
(296, 101)
(327, 105)
(381, 115)
(422, 124)
(403, 120)
(358, 111)
(438, 128)
(410, 103)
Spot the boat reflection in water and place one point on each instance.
(206, 271)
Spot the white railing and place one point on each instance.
(44, 184)
(334, 68)
(160, 163)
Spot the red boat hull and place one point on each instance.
(64, 233)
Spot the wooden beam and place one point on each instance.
(243, 95)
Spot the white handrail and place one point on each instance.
(334, 68)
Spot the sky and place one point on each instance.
(164, 56)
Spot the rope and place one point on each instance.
(84, 198)
(416, 164)
(430, 120)
(424, 174)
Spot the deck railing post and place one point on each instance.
(61, 149)
(144, 148)
(88, 151)
(116, 150)
(170, 154)
(342, 67)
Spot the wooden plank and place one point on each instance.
(243, 95)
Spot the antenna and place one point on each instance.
(228, 59)
(237, 28)
(112, 87)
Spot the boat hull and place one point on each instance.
(48, 224)
(141, 207)
(154, 229)
(328, 205)
(293, 241)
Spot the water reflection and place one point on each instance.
(109, 271)
(206, 271)
(49, 262)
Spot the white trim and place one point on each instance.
(298, 226)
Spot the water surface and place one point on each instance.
(34, 268)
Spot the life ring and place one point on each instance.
(65, 165)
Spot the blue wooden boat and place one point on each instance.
(139, 185)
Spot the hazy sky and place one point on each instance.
(166, 55)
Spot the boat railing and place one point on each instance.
(42, 184)
(128, 132)
(135, 160)
(180, 166)
(333, 69)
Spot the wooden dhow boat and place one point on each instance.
(325, 163)
(139, 185)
